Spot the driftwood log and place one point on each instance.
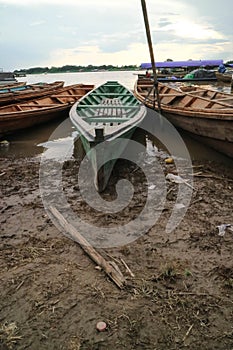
(110, 269)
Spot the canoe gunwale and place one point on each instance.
(213, 126)
(106, 134)
(29, 92)
(213, 113)
(27, 114)
(87, 130)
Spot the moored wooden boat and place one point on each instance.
(197, 75)
(26, 114)
(14, 84)
(7, 78)
(26, 92)
(224, 77)
(206, 113)
(169, 79)
(104, 115)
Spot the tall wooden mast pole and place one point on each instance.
(146, 21)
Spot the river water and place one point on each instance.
(31, 142)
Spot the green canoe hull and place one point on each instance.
(104, 116)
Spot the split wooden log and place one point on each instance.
(109, 268)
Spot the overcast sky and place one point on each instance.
(45, 33)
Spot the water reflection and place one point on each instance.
(32, 142)
(155, 148)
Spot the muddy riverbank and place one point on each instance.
(179, 294)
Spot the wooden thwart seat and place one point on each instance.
(105, 120)
(110, 106)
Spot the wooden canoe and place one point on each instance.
(14, 84)
(26, 92)
(104, 115)
(26, 114)
(206, 113)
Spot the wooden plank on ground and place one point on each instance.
(113, 272)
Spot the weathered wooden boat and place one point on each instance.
(108, 113)
(26, 114)
(224, 77)
(170, 78)
(197, 75)
(7, 78)
(26, 92)
(14, 84)
(201, 74)
(206, 113)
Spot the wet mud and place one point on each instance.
(179, 285)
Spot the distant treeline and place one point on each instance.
(72, 69)
(89, 68)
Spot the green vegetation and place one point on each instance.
(73, 69)
(89, 68)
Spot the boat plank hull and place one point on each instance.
(203, 112)
(216, 134)
(104, 116)
(28, 92)
(44, 109)
(224, 77)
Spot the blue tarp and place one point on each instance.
(179, 64)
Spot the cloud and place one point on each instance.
(52, 32)
(189, 29)
(37, 23)
(84, 55)
(77, 3)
